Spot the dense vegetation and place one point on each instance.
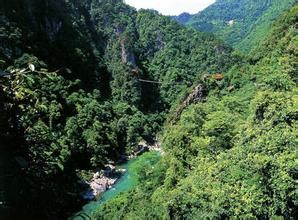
(234, 155)
(71, 98)
(241, 23)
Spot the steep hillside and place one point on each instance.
(82, 82)
(232, 155)
(241, 23)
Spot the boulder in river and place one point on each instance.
(101, 181)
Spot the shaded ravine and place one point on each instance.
(13, 187)
(125, 183)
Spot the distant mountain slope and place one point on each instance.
(183, 18)
(241, 23)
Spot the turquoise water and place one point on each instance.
(126, 182)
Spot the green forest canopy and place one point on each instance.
(233, 155)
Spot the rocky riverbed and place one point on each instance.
(101, 181)
(104, 179)
(126, 181)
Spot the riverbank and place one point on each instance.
(105, 179)
(146, 147)
(127, 181)
(101, 181)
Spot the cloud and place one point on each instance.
(171, 7)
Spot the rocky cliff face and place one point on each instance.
(197, 95)
(60, 33)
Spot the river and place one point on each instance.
(125, 183)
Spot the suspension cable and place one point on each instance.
(158, 82)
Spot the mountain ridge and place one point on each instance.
(242, 24)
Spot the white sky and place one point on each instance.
(171, 7)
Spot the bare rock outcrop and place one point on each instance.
(197, 95)
(102, 181)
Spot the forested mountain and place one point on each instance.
(72, 95)
(233, 155)
(84, 81)
(241, 23)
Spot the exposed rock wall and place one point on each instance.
(197, 95)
